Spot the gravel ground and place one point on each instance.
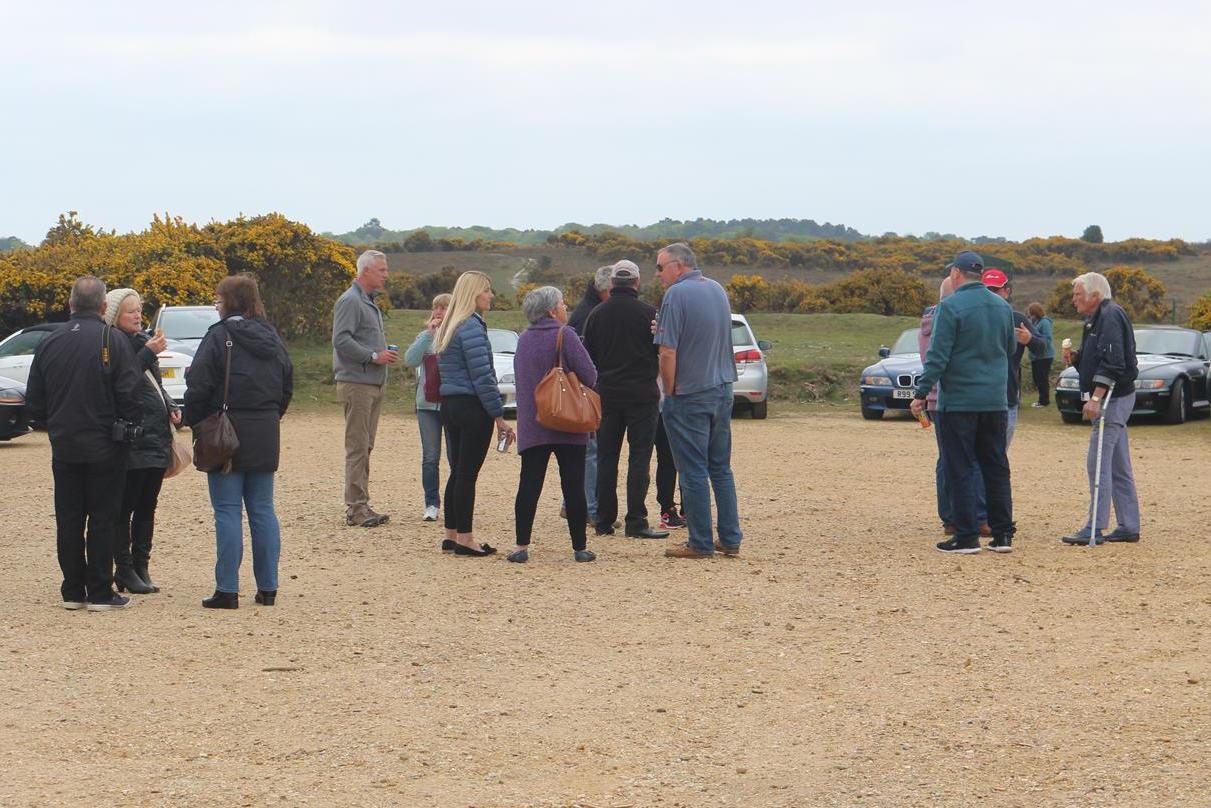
(839, 661)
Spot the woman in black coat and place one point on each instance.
(150, 454)
(259, 391)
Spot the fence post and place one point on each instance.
(1173, 313)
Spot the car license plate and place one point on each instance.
(168, 373)
(901, 393)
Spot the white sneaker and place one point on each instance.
(431, 513)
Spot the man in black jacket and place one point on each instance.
(618, 337)
(1106, 358)
(596, 292)
(83, 386)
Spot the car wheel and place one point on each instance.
(1070, 417)
(759, 410)
(1178, 407)
(872, 415)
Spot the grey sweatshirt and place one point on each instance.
(357, 333)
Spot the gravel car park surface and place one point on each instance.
(840, 661)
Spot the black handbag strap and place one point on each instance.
(227, 369)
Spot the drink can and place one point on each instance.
(392, 347)
(502, 445)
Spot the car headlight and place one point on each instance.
(11, 395)
(1068, 384)
(876, 381)
(1149, 384)
(507, 378)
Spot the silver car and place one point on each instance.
(752, 382)
(184, 326)
(504, 347)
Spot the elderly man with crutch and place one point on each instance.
(1107, 368)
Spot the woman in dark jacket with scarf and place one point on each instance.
(150, 454)
(536, 355)
(260, 388)
(470, 404)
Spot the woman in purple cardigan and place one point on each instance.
(548, 315)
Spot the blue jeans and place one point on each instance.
(1011, 426)
(973, 447)
(590, 477)
(699, 426)
(430, 424)
(255, 490)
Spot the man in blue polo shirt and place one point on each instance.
(697, 370)
(968, 358)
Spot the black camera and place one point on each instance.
(125, 432)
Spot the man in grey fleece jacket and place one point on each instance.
(359, 360)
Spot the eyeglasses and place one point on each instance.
(660, 267)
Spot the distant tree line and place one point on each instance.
(1049, 256)
(373, 233)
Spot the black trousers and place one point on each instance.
(638, 423)
(666, 469)
(971, 440)
(468, 433)
(137, 520)
(87, 498)
(1040, 369)
(571, 479)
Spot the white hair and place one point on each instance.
(540, 302)
(366, 259)
(1094, 283)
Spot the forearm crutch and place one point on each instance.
(1097, 469)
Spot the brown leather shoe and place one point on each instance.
(985, 531)
(727, 551)
(948, 529)
(683, 551)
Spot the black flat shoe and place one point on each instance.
(448, 545)
(584, 555)
(484, 550)
(266, 597)
(518, 556)
(222, 600)
(647, 533)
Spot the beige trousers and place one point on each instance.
(363, 403)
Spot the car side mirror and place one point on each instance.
(765, 345)
(884, 352)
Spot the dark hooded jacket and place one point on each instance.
(262, 382)
(580, 314)
(153, 449)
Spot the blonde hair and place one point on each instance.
(470, 285)
(442, 301)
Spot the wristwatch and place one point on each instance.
(374, 356)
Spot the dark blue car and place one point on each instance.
(888, 385)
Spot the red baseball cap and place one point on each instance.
(994, 278)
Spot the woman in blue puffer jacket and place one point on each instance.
(470, 404)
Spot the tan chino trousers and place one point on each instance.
(363, 403)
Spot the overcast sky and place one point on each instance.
(1020, 120)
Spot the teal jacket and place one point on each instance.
(969, 352)
(1043, 329)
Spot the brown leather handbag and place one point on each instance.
(181, 455)
(214, 439)
(562, 402)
